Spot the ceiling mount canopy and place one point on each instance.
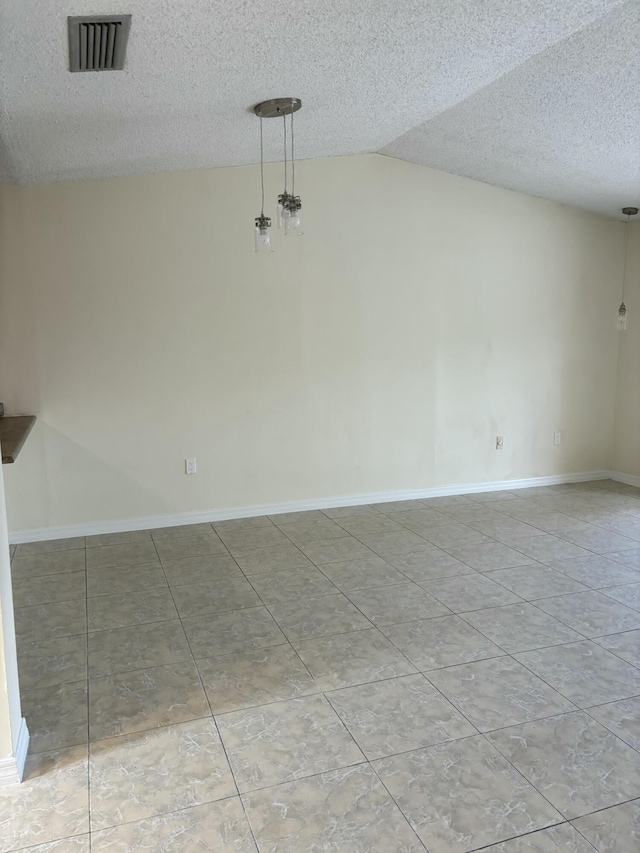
(277, 107)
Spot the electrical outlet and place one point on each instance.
(499, 442)
(557, 438)
(190, 466)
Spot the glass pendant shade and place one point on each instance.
(283, 200)
(293, 218)
(621, 323)
(262, 235)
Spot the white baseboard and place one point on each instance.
(120, 525)
(12, 768)
(629, 479)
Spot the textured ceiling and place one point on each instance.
(538, 95)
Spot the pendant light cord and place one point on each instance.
(293, 163)
(284, 122)
(261, 169)
(626, 252)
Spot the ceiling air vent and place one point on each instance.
(98, 43)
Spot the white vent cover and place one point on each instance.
(98, 43)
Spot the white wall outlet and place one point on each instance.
(557, 438)
(499, 442)
(190, 465)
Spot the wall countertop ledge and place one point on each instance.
(14, 430)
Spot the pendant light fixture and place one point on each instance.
(262, 234)
(621, 323)
(289, 205)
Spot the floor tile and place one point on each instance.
(256, 537)
(181, 531)
(336, 550)
(127, 537)
(311, 531)
(271, 559)
(622, 718)
(595, 571)
(131, 608)
(520, 627)
(562, 838)
(510, 528)
(577, 764)
(342, 810)
(200, 545)
(491, 555)
(418, 519)
(362, 574)
(546, 547)
(429, 565)
(76, 844)
(318, 617)
(348, 659)
(50, 621)
(469, 592)
(241, 523)
(48, 662)
(349, 511)
(399, 506)
(600, 541)
(404, 602)
(212, 567)
(398, 715)
(284, 741)
(246, 679)
(584, 673)
(145, 699)
(229, 633)
(392, 544)
(443, 641)
(56, 716)
(36, 565)
(370, 525)
(629, 594)
(156, 772)
(300, 517)
(557, 522)
(455, 535)
(28, 592)
(51, 803)
(219, 827)
(498, 692)
(535, 581)
(591, 613)
(125, 580)
(291, 584)
(111, 556)
(629, 558)
(625, 645)
(73, 543)
(614, 830)
(432, 788)
(137, 647)
(199, 599)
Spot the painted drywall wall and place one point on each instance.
(627, 444)
(10, 713)
(421, 315)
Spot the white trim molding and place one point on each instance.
(12, 768)
(629, 479)
(93, 528)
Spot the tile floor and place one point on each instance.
(446, 675)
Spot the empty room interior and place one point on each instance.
(320, 426)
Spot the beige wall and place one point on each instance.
(420, 315)
(627, 445)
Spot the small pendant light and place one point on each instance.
(283, 198)
(293, 206)
(262, 232)
(621, 323)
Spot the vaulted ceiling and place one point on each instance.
(541, 96)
